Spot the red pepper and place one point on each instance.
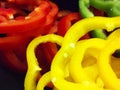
(17, 32)
(97, 12)
(11, 42)
(7, 13)
(2, 19)
(49, 50)
(35, 19)
(24, 1)
(15, 60)
(50, 21)
(66, 22)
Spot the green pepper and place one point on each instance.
(110, 7)
(85, 12)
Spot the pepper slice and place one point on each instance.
(110, 7)
(64, 54)
(50, 18)
(66, 22)
(12, 41)
(109, 77)
(84, 6)
(34, 19)
(33, 66)
(76, 69)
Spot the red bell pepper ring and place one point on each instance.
(7, 13)
(65, 23)
(12, 26)
(15, 60)
(47, 11)
(35, 19)
(11, 42)
(50, 20)
(51, 17)
(24, 1)
(49, 50)
(2, 19)
(45, 53)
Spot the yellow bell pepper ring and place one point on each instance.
(65, 72)
(33, 65)
(76, 69)
(44, 80)
(82, 27)
(68, 46)
(107, 74)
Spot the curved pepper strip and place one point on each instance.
(44, 80)
(66, 22)
(76, 68)
(33, 66)
(50, 18)
(47, 11)
(18, 64)
(109, 78)
(49, 49)
(85, 12)
(12, 41)
(77, 30)
(35, 19)
(110, 7)
(24, 1)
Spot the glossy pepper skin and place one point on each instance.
(110, 7)
(24, 25)
(33, 65)
(84, 8)
(76, 31)
(66, 22)
(19, 27)
(67, 59)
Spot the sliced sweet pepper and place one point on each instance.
(66, 22)
(110, 7)
(33, 65)
(84, 6)
(15, 61)
(58, 75)
(50, 18)
(64, 54)
(107, 73)
(12, 41)
(35, 19)
(76, 68)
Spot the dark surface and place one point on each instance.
(10, 80)
(67, 4)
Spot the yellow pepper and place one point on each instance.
(33, 66)
(106, 72)
(68, 46)
(73, 51)
(76, 69)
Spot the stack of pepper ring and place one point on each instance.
(66, 70)
(16, 31)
